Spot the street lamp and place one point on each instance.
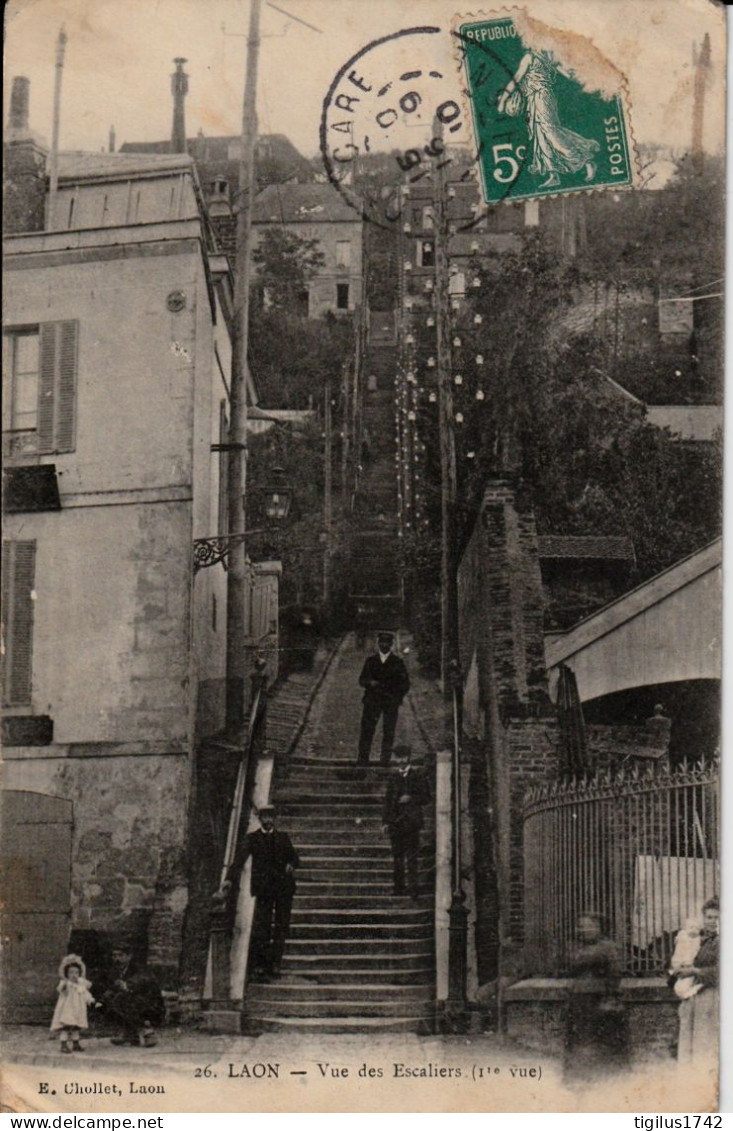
(278, 496)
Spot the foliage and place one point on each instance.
(286, 264)
(580, 452)
(292, 357)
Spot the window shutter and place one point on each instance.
(57, 386)
(46, 385)
(19, 564)
(66, 387)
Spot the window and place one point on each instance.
(427, 218)
(426, 253)
(21, 387)
(531, 213)
(18, 564)
(343, 253)
(342, 296)
(40, 387)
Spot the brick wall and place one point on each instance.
(501, 619)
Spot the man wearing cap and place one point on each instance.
(386, 682)
(133, 1000)
(272, 884)
(402, 817)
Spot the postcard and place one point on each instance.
(362, 491)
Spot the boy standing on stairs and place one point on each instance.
(386, 682)
(407, 792)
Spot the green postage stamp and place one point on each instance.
(540, 127)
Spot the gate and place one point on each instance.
(640, 849)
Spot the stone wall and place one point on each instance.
(128, 841)
(535, 1016)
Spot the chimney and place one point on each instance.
(112, 139)
(24, 166)
(18, 122)
(179, 86)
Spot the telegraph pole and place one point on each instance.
(327, 494)
(450, 664)
(448, 475)
(237, 446)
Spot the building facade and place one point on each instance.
(316, 212)
(116, 386)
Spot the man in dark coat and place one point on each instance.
(402, 817)
(386, 682)
(274, 861)
(133, 1000)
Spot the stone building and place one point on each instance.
(117, 345)
(317, 212)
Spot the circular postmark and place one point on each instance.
(396, 98)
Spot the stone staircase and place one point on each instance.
(374, 550)
(357, 957)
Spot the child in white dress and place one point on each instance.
(70, 1014)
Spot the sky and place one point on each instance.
(119, 58)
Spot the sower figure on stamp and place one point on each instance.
(386, 682)
(407, 792)
(274, 861)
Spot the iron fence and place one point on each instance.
(639, 848)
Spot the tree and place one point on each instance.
(286, 264)
(292, 357)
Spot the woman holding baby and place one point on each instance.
(694, 973)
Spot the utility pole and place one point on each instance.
(327, 494)
(448, 475)
(237, 446)
(701, 63)
(53, 177)
(450, 663)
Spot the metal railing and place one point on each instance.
(639, 849)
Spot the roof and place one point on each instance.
(688, 422)
(79, 165)
(302, 204)
(586, 547)
(560, 646)
(276, 158)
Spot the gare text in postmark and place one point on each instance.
(541, 127)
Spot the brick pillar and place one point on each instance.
(519, 727)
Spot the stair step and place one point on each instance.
(386, 947)
(306, 1008)
(333, 793)
(387, 933)
(411, 964)
(399, 914)
(336, 971)
(342, 991)
(370, 855)
(346, 902)
(339, 883)
(346, 1024)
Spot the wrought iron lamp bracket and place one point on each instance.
(210, 551)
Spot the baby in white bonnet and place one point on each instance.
(686, 947)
